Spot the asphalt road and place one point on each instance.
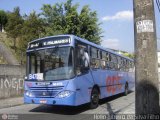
(118, 104)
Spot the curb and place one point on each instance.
(10, 102)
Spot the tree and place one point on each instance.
(60, 18)
(64, 19)
(89, 26)
(14, 25)
(3, 19)
(128, 55)
(53, 19)
(33, 28)
(72, 21)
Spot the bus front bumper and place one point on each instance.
(69, 101)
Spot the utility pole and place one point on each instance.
(146, 72)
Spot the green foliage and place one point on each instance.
(60, 18)
(72, 22)
(89, 26)
(2, 60)
(32, 29)
(128, 55)
(64, 19)
(3, 19)
(53, 19)
(14, 25)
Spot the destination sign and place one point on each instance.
(34, 45)
(56, 42)
(50, 42)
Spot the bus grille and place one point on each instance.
(45, 92)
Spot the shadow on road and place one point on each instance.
(64, 110)
(67, 110)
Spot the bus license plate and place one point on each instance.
(43, 101)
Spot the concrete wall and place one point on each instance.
(11, 80)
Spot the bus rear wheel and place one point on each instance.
(94, 98)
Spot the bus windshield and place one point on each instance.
(54, 63)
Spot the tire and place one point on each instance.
(126, 90)
(94, 100)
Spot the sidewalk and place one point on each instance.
(130, 109)
(10, 102)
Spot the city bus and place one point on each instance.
(71, 71)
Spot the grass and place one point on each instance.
(2, 61)
(8, 42)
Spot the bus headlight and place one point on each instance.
(29, 94)
(64, 94)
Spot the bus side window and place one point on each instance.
(127, 65)
(103, 59)
(133, 67)
(95, 58)
(130, 66)
(111, 63)
(124, 65)
(108, 59)
(118, 63)
(81, 51)
(115, 63)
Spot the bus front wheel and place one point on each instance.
(94, 98)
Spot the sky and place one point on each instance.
(116, 17)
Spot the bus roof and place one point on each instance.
(84, 41)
